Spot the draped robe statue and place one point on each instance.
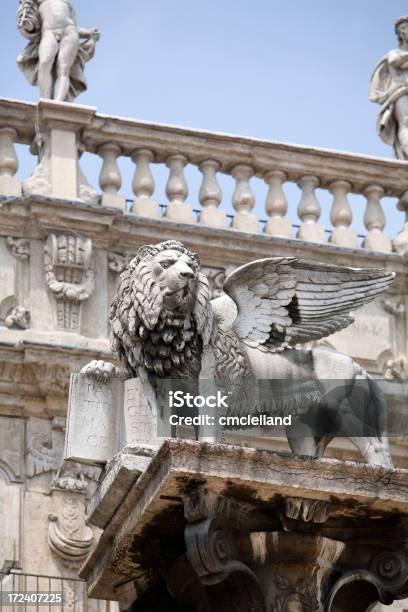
(389, 87)
(55, 56)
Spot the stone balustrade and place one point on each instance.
(58, 133)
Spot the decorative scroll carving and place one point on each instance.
(213, 555)
(385, 580)
(19, 317)
(117, 263)
(19, 247)
(69, 276)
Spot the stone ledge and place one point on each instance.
(117, 480)
(259, 477)
(108, 227)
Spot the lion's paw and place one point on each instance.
(102, 371)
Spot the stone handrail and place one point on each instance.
(60, 132)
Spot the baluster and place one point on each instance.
(341, 216)
(210, 195)
(110, 178)
(374, 221)
(400, 242)
(143, 185)
(9, 184)
(309, 211)
(243, 200)
(277, 206)
(177, 190)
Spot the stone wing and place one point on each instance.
(282, 301)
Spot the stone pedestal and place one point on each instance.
(57, 144)
(213, 527)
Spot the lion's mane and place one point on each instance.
(167, 343)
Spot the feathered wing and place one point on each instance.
(283, 301)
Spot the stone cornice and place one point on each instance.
(37, 216)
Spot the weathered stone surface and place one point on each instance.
(139, 421)
(43, 349)
(118, 478)
(165, 327)
(353, 491)
(93, 427)
(10, 524)
(8, 283)
(12, 445)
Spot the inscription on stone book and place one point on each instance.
(139, 426)
(94, 420)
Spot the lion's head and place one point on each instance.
(161, 317)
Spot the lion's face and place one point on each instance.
(176, 274)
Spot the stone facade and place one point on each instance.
(63, 246)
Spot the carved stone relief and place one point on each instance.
(69, 277)
(52, 379)
(19, 317)
(69, 537)
(216, 278)
(19, 247)
(117, 262)
(44, 453)
(8, 282)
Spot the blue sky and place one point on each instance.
(287, 70)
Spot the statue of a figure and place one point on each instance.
(389, 87)
(55, 57)
(164, 325)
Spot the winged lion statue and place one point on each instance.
(164, 325)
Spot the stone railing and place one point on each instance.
(56, 132)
